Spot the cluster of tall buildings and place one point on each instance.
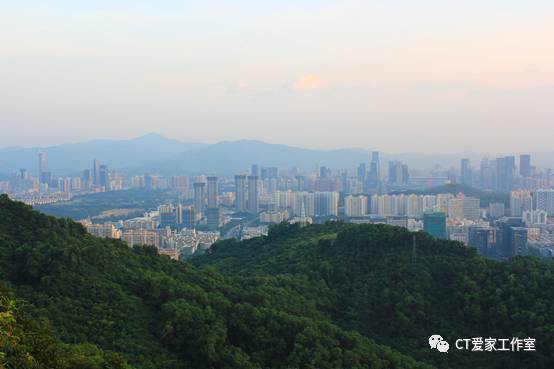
(247, 192)
(502, 174)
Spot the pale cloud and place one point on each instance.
(243, 85)
(308, 82)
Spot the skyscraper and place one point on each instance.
(41, 165)
(486, 175)
(511, 237)
(398, 173)
(253, 194)
(212, 191)
(327, 203)
(240, 193)
(200, 197)
(96, 172)
(480, 239)
(374, 174)
(525, 165)
(103, 176)
(362, 172)
(213, 207)
(255, 170)
(85, 177)
(375, 157)
(505, 168)
(465, 172)
(188, 216)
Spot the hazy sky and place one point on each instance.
(396, 75)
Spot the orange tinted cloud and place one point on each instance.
(308, 82)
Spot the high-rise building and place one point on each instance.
(86, 179)
(544, 200)
(253, 207)
(324, 172)
(398, 173)
(362, 172)
(435, 224)
(465, 172)
(41, 165)
(464, 207)
(269, 172)
(23, 174)
(414, 206)
(525, 165)
(355, 206)
(96, 172)
(511, 237)
(199, 189)
(255, 170)
(497, 210)
(375, 157)
(535, 217)
(103, 176)
(483, 240)
(374, 175)
(168, 215)
(213, 206)
(240, 193)
(327, 203)
(212, 191)
(505, 168)
(303, 201)
(188, 217)
(486, 175)
(520, 201)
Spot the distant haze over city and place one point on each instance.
(427, 76)
(158, 154)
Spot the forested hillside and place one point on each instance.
(370, 278)
(95, 303)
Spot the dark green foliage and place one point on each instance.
(366, 278)
(27, 343)
(107, 302)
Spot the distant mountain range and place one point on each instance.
(72, 158)
(157, 154)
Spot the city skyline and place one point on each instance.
(426, 77)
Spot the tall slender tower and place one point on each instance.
(200, 197)
(41, 165)
(213, 207)
(465, 172)
(212, 191)
(240, 193)
(253, 194)
(96, 172)
(525, 165)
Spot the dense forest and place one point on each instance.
(371, 278)
(335, 295)
(70, 300)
